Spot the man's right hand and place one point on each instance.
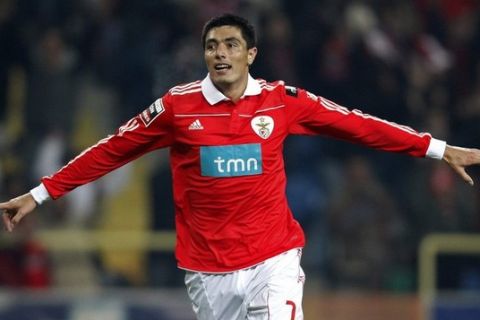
(15, 209)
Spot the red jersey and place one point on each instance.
(227, 164)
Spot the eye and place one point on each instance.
(210, 46)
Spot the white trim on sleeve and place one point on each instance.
(40, 194)
(436, 149)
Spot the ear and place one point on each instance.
(252, 53)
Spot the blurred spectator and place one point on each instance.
(12, 52)
(52, 86)
(439, 202)
(276, 48)
(365, 230)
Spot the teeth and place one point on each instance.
(222, 66)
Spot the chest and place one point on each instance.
(254, 120)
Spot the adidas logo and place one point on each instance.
(195, 125)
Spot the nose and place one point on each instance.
(221, 51)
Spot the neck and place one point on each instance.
(233, 91)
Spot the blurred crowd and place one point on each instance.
(73, 71)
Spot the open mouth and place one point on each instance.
(222, 67)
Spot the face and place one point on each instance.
(227, 57)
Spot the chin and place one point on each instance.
(221, 80)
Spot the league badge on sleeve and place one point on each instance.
(291, 91)
(149, 114)
(263, 126)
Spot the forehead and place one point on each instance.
(224, 32)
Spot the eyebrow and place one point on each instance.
(233, 39)
(226, 40)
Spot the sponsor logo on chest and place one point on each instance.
(231, 160)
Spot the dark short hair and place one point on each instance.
(248, 31)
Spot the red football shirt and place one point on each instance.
(227, 164)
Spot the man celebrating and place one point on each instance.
(236, 236)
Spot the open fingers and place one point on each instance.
(19, 216)
(15, 209)
(465, 176)
(5, 207)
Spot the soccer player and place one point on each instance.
(237, 239)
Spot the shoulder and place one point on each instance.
(271, 86)
(279, 87)
(182, 93)
(287, 93)
(186, 88)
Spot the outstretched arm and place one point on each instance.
(15, 209)
(460, 158)
(148, 131)
(310, 114)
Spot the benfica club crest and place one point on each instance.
(263, 126)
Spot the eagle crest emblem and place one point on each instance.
(262, 126)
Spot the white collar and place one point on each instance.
(213, 95)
